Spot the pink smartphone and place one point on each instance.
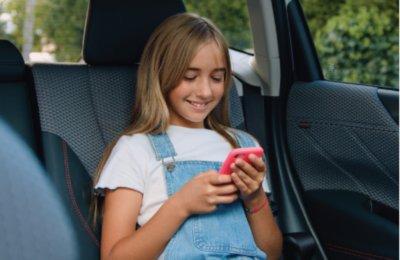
(242, 153)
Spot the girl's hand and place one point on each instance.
(205, 191)
(248, 178)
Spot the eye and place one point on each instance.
(191, 74)
(218, 78)
(189, 77)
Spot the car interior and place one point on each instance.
(331, 147)
(31, 225)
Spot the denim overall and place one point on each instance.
(222, 234)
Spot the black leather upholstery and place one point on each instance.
(33, 221)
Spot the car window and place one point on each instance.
(357, 41)
(42, 33)
(231, 16)
(41, 30)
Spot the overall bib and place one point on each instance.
(222, 234)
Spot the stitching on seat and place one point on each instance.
(344, 124)
(72, 196)
(354, 252)
(92, 103)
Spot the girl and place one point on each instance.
(162, 172)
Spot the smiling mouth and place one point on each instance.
(198, 105)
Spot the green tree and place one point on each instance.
(2, 30)
(2, 23)
(59, 22)
(231, 17)
(62, 22)
(16, 9)
(318, 12)
(359, 42)
(3, 34)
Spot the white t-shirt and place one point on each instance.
(132, 163)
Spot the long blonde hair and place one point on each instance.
(165, 59)
(163, 64)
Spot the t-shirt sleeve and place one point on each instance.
(123, 168)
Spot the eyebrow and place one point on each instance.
(215, 70)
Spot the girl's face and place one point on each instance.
(201, 88)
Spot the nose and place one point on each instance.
(204, 89)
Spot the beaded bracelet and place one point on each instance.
(256, 209)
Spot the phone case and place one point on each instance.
(239, 153)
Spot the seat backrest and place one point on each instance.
(16, 94)
(33, 220)
(83, 107)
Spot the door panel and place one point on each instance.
(343, 143)
(390, 99)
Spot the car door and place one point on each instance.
(336, 147)
(332, 147)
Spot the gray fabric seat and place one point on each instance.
(83, 107)
(33, 220)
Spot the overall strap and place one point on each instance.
(244, 139)
(162, 146)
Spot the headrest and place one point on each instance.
(117, 31)
(12, 65)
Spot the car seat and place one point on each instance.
(84, 106)
(33, 219)
(17, 105)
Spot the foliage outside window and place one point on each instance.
(52, 27)
(56, 27)
(231, 17)
(356, 40)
